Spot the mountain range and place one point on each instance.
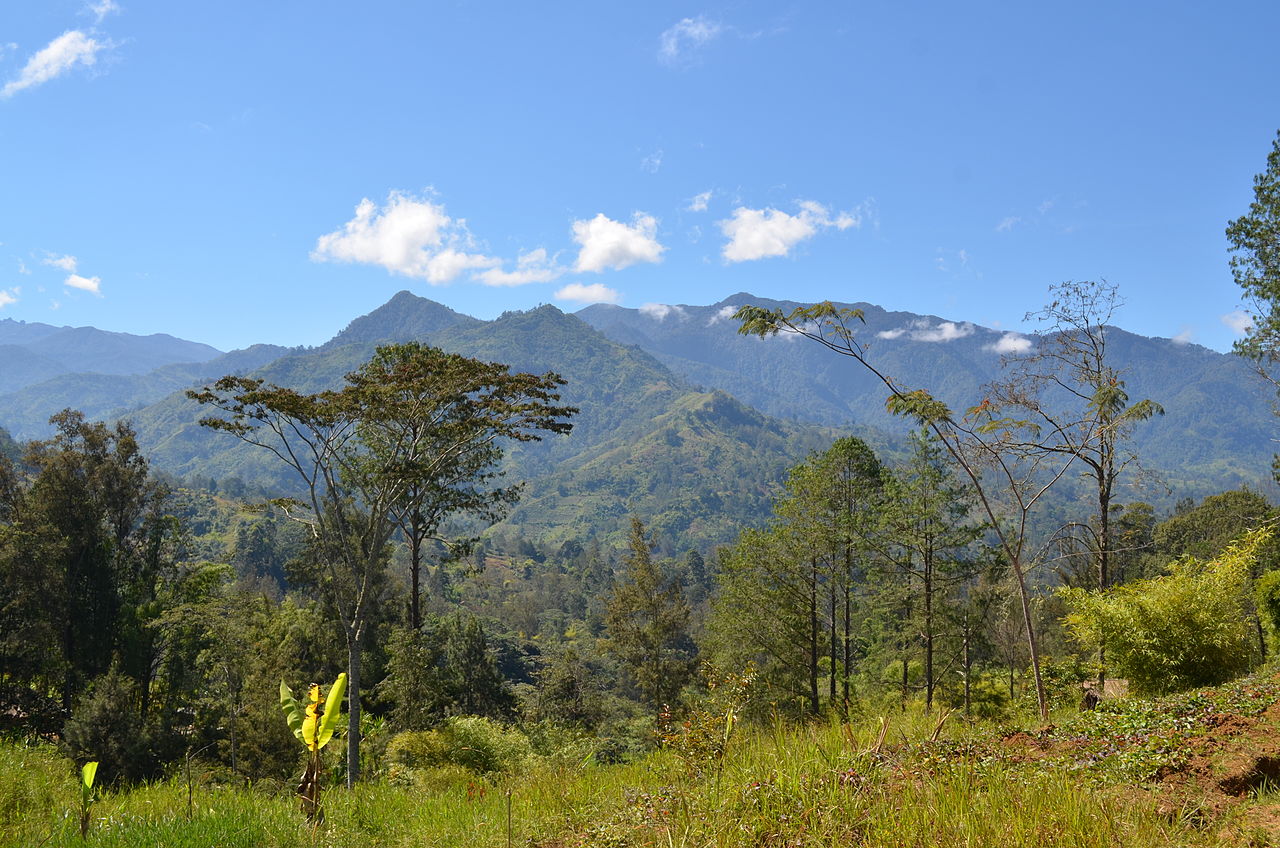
(683, 421)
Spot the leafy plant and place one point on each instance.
(1175, 632)
(87, 773)
(314, 725)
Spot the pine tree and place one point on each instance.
(648, 625)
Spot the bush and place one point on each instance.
(478, 744)
(105, 726)
(1266, 595)
(1176, 632)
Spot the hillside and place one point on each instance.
(696, 465)
(1216, 432)
(33, 352)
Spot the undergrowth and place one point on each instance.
(822, 784)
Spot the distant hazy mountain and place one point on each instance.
(108, 396)
(1217, 429)
(33, 352)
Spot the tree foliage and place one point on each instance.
(411, 427)
(1189, 628)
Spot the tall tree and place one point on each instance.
(648, 625)
(359, 451)
(929, 535)
(1008, 483)
(1255, 263)
(1076, 409)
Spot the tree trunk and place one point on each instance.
(813, 637)
(415, 569)
(832, 676)
(928, 631)
(354, 650)
(1104, 578)
(968, 665)
(848, 647)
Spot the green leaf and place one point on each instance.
(332, 710)
(292, 710)
(87, 773)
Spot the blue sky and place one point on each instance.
(240, 172)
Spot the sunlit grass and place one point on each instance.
(821, 784)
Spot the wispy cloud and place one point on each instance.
(1011, 343)
(662, 311)
(724, 313)
(64, 53)
(1007, 224)
(93, 285)
(409, 236)
(8, 296)
(606, 243)
(101, 8)
(1238, 320)
(652, 163)
(920, 330)
(762, 233)
(680, 41)
(699, 202)
(66, 263)
(593, 293)
(531, 267)
(1185, 336)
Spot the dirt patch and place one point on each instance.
(1261, 772)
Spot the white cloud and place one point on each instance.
(102, 8)
(8, 297)
(66, 263)
(724, 313)
(699, 202)
(612, 244)
(921, 331)
(660, 311)
(1239, 321)
(761, 233)
(651, 163)
(593, 293)
(531, 267)
(22, 267)
(686, 35)
(60, 56)
(1011, 343)
(89, 284)
(409, 236)
(1007, 224)
(1186, 336)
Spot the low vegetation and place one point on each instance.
(1182, 771)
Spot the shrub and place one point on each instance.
(1266, 595)
(479, 744)
(1176, 632)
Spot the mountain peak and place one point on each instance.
(405, 317)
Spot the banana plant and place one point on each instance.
(87, 773)
(314, 725)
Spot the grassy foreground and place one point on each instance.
(1128, 775)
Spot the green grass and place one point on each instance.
(809, 786)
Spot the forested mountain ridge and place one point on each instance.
(1216, 432)
(644, 441)
(666, 426)
(32, 352)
